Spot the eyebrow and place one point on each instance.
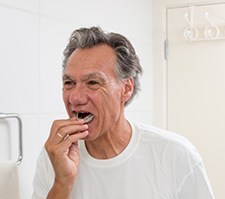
(66, 77)
(94, 76)
(87, 77)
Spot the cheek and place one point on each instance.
(107, 96)
(112, 101)
(65, 97)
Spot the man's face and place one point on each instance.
(92, 90)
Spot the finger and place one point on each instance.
(58, 124)
(73, 138)
(69, 145)
(65, 131)
(60, 137)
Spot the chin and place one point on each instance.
(92, 136)
(88, 138)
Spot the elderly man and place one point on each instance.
(97, 153)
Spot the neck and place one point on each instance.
(111, 143)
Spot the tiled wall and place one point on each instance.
(33, 34)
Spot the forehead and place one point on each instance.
(100, 58)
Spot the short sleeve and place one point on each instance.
(43, 178)
(196, 185)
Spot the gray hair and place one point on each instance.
(127, 66)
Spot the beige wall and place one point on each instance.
(189, 86)
(159, 63)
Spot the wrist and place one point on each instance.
(60, 190)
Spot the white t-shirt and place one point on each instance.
(156, 164)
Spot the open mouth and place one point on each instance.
(86, 116)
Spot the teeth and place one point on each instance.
(75, 115)
(87, 119)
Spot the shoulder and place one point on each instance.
(167, 144)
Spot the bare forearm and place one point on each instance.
(59, 191)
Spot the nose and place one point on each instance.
(78, 96)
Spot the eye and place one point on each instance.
(68, 84)
(93, 82)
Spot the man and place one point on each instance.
(97, 153)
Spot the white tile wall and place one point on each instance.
(29, 5)
(139, 116)
(53, 38)
(33, 35)
(19, 67)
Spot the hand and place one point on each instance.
(62, 148)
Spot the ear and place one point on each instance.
(128, 89)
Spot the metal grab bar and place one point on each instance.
(20, 144)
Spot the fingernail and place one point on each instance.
(85, 125)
